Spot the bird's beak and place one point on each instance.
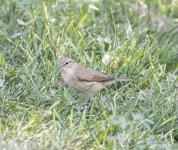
(60, 66)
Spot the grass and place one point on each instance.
(39, 112)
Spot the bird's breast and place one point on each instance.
(90, 88)
(67, 77)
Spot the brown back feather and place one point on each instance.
(88, 75)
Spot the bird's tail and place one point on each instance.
(120, 79)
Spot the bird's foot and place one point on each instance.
(88, 105)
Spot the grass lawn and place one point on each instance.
(129, 38)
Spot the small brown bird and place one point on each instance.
(85, 80)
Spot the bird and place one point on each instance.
(84, 79)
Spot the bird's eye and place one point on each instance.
(66, 63)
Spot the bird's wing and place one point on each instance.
(88, 75)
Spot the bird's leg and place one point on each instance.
(89, 102)
(89, 99)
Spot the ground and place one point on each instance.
(129, 38)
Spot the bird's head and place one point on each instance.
(66, 64)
